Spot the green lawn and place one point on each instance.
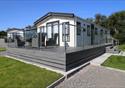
(115, 62)
(2, 49)
(122, 47)
(16, 74)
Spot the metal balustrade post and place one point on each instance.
(64, 29)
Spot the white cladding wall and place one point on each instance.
(72, 42)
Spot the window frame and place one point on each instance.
(50, 24)
(101, 32)
(78, 28)
(42, 31)
(88, 30)
(106, 32)
(96, 31)
(63, 32)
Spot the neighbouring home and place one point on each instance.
(12, 32)
(15, 37)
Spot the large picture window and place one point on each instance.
(65, 32)
(49, 30)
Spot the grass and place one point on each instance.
(122, 47)
(2, 49)
(16, 74)
(115, 62)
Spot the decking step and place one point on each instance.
(44, 54)
(38, 61)
(49, 59)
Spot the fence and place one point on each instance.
(53, 34)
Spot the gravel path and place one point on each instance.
(95, 77)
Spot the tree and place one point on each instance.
(98, 19)
(116, 23)
(101, 20)
(90, 19)
(3, 34)
(104, 21)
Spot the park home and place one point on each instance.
(15, 37)
(11, 32)
(59, 28)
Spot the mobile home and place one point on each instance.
(58, 28)
(11, 32)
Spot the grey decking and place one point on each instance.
(48, 58)
(55, 57)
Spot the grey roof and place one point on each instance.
(60, 14)
(54, 14)
(11, 29)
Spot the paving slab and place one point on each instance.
(95, 77)
(99, 60)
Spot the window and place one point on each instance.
(55, 27)
(101, 32)
(49, 30)
(105, 32)
(42, 29)
(52, 29)
(78, 28)
(65, 32)
(88, 30)
(84, 29)
(96, 31)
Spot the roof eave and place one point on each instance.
(54, 14)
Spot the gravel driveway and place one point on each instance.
(95, 77)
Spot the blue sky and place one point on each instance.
(20, 13)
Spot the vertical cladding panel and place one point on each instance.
(75, 59)
(55, 60)
(83, 39)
